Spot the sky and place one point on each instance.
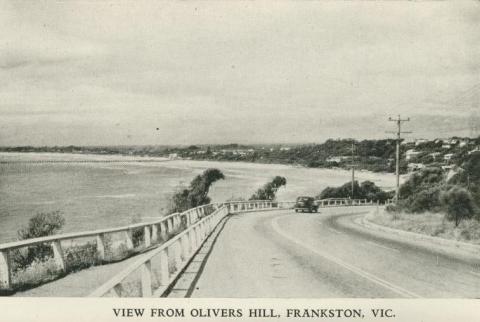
(148, 72)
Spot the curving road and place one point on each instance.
(285, 254)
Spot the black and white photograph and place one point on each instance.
(240, 150)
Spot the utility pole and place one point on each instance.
(353, 169)
(399, 132)
(353, 165)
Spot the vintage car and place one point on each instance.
(304, 203)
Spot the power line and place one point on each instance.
(399, 132)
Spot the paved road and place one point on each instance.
(284, 254)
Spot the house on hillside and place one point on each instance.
(408, 142)
(420, 141)
(463, 143)
(447, 157)
(452, 141)
(446, 146)
(415, 166)
(477, 149)
(411, 154)
(338, 159)
(434, 155)
(447, 167)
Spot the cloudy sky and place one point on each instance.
(89, 72)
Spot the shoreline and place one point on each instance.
(134, 158)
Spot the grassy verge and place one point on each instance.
(431, 224)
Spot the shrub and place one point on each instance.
(81, 256)
(458, 204)
(36, 273)
(421, 180)
(40, 225)
(424, 200)
(269, 190)
(366, 190)
(468, 176)
(197, 193)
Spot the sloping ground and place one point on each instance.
(430, 224)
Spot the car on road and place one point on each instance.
(305, 204)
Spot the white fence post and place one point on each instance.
(155, 233)
(147, 279)
(185, 247)
(197, 236)
(163, 230)
(58, 255)
(146, 236)
(164, 273)
(177, 250)
(5, 269)
(101, 246)
(193, 241)
(128, 239)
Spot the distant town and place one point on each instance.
(373, 155)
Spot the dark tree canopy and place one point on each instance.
(424, 179)
(42, 224)
(366, 190)
(269, 190)
(197, 193)
(458, 203)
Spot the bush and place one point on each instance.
(458, 204)
(366, 190)
(269, 190)
(40, 225)
(468, 176)
(197, 193)
(421, 180)
(35, 273)
(81, 256)
(424, 200)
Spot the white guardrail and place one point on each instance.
(177, 238)
(153, 274)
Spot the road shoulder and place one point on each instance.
(463, 251)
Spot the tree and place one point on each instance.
(366, 190)
(458, 204)
(269, 190)
(40, 225)
(469, 176)
(421, 180)
(197, 193)
(424, 200)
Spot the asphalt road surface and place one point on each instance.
(287, 254)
